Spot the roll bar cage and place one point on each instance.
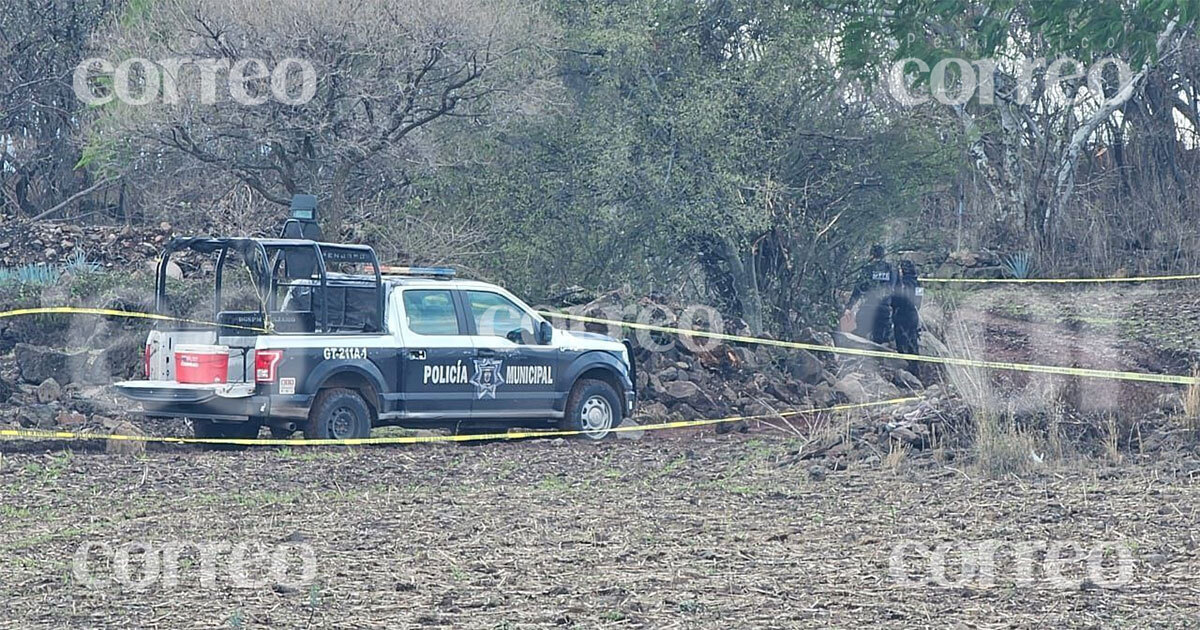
(264, 257)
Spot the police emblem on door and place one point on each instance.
(487, 377)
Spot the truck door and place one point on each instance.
(513, 376)
(437, 356)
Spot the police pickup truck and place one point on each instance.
(332, 344)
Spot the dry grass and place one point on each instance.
(896, 458)
(1002, 448)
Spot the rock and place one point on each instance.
(684, 411)
(125, 447)
(820, 338)
(906, 435)
(931, 346)
(626, 431)
(984, 273)
(850, 340)
(681, 365)
(37, 416)
(871, 460)
(643, 380)
(823, 395)
(6, 390)
(947, 270)
(680, 390)
(174, 271)
(802, 365)
(38, 363)
(817, 472)
(757, 409)
(731, 427)
(669, 374)
(48, 392)
(1154, 559)
(653, 411)
(70, 419)
(919, 258)
(964, 258)
(905, 380)
(852, 388)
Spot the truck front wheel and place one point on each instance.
(593, 408)
(338, 414)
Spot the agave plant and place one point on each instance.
(78, 264)
(40, 275)
(44, 275)
(1019, 265)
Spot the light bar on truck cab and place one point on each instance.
(428, 272)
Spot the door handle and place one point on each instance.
(418, 355)
(485, 352)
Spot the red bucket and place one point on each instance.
(201, 364)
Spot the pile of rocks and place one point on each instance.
(975, 265)
(935, 421)
(714, 379)
(49, 388)
(27, 242)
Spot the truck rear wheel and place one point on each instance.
(594, 408)
(338, 414)
(211, 429)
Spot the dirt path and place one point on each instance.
(712, 533)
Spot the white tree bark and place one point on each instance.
(1065, 176)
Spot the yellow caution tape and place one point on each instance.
(109, 312)
(1058, 280)
(68, 435)
(994, 365)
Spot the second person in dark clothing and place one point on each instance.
(906, 303)
(874, 288)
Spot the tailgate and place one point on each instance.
(182, 393)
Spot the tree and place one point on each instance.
(706, 149)
(1028, 143)
(383, 71)
(41, 43)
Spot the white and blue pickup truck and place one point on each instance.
(335, 353)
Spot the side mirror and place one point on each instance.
(545, 333)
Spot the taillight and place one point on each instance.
(146, 360)
(265, 362)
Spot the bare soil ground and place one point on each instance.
(711, 532)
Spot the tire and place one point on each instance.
(338, 414)
(211, 429)
(593, 407)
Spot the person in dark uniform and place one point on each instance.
(874, 288)
(906, 303)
